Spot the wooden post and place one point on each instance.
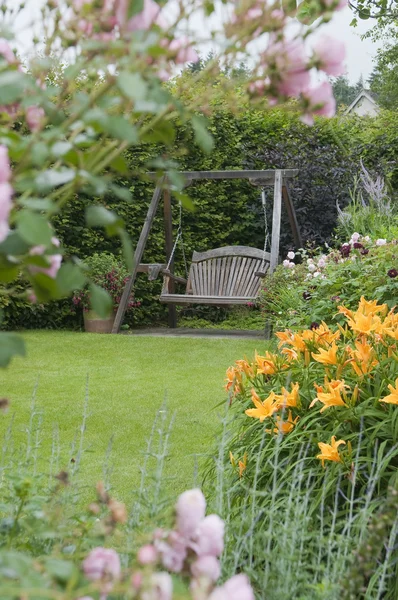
(168, 230)
(276, 221)
(139, 251)
(291, 213)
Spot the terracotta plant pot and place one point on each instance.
(94, 324)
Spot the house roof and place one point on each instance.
(364, 94)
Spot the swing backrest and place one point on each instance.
(233, 271)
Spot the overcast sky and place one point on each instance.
(359, 52)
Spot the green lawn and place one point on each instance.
(129, 377)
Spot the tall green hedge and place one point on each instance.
(229, 211)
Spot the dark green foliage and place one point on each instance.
(226, 212)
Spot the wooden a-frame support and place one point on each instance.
(277, 178)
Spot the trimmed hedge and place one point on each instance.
(229, 211)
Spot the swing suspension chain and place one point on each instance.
(179, 238)
(266, 232)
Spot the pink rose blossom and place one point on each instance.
(320, 101)
(6, 51)
(173, 552)
(355, 236)
(5, 208)
(162, 588)
(206, 566)
(190, 509)
(147, 555)
(55, 260)
(5, 169)
(147, 17)
(183, 51)
(286, 263)
(381, 242)
(236, 588)
(329, 55)
(136, 580)
(291, 255)
(102, 564)
(289, 61)
(34, 117)
(209, 536)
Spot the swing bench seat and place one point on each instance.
(224, 276)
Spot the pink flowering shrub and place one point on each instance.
(305, 290)
(110, 274)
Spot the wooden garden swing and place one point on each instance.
(223, 276)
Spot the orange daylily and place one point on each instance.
(363, 358)
(331, 397)
(365, 324)
(289, 398)
(241, 463)
(371, 307)
(284, 426)
(245, 367)
(290, 353)
(289, 338)
(393, 397)
(330, 451)
(327, 357)
(266, 364)
(233, 379)
(263, 409)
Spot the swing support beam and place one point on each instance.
(270, 177)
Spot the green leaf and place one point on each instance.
(8, 272)
(62, 570)
(13, 84)
(164, 132)
(134, 8)
(100, 301)
(38, 204)
(14, 245)
(70, 278)
(132, 85)
(121, 129)
(203, 137)
(10, 345)
(33, 228)
(51, 178)
(120, 165)
(121, 192)
(61, 148)
(99, 216)
(45, 287)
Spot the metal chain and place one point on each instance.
(179, 238)
(266, 232)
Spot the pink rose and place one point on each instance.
(5, 169)
(102, 564)
(319, 101)
(55, 260)
(236, 588)
(147, 555)
(288, 61)
(183, 51)
(6, 51)
(190, 509)
(5, 208)
(147, 17)
(206, 566)
(162, 588)
(34, 117)
(209, 536)
(329, 55)
(173, 552)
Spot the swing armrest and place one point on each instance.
(169, 275)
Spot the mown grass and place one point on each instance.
(128, 379)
